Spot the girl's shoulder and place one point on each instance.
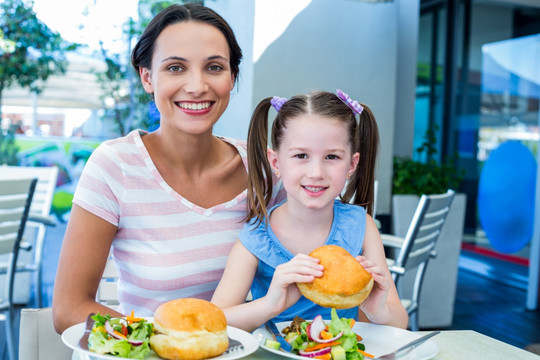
(350, 210)
(349, 226)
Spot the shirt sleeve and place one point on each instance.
(98, 185)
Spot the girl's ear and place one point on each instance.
(354, 162)
(146, 80)
(272, 159)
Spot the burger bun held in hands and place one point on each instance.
(344, 284)
(189, 329)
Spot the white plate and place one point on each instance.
(378, 339)
(72, 335)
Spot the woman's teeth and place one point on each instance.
(195, 106)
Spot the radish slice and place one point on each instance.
(110, 331)
(135, 342)
(308, 332)
(316, 327)
(311, 354)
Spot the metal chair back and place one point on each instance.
(15, 201)
(419, 246)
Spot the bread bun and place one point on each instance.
(344, 284)
(189, 329)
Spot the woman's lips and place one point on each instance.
(195, 108)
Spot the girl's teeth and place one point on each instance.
(193, 106)
(314, 189)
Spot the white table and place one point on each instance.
(455, 345)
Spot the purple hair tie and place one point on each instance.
(277, 102)
(353, 105)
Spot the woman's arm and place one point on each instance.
(84, 253)
(383, 305)
(239, 273)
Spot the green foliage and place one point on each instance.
(429, 177)
(8, 148)
(30, 52)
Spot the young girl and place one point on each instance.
(319, 141)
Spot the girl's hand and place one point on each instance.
(376, 301)
(283, 292)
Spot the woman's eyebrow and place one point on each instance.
(179, 58)
(218, 57)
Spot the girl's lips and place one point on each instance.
(315, 190)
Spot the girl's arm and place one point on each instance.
(383, 305)
(239, 273)
(84, 253)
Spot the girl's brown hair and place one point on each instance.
(363, 137)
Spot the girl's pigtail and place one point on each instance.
(362, 181)
(259, 191)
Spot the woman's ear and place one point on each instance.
(272, 159)
(146, 80)
(233, 81)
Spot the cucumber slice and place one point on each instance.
(272, 344)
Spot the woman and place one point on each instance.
(170, 203)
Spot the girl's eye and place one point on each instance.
(332, 157)
(215, 68)
(300, 156)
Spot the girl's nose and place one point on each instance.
(316, 170)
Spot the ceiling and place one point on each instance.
(77, 88)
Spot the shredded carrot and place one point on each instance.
(326, 335)
(131, 318)
(323, 345)
(324, 357)
(352, 323)
(358, 337)
(365, 354)
(120, 334)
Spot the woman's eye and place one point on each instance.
(215, 68)
(175, 68)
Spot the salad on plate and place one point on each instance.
(318, 340)
(127, 337)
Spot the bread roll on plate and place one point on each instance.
(344, 284)
(189, 329)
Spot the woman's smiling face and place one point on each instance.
(191, 77)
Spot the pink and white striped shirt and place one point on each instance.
(166, 247)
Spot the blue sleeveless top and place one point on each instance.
(348, 230)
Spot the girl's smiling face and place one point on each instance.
(191, 77)
(314, 159)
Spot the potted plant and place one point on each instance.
(413, 178)
(429, 177)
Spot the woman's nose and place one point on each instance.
(195, 83)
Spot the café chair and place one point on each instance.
(15, 201)
(39, 218)
(37, 338)
(415, 250)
